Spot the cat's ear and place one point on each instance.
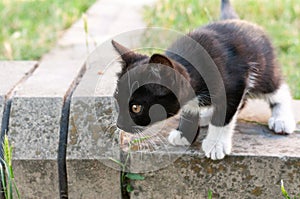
(161, 59)
(120, 48)
(127, 55)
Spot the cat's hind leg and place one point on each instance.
(282, 120)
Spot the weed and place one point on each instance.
(88, 36)
(209, 194)
(8, 181)
(128, 175)
(284, 192)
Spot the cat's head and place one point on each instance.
(148, 88)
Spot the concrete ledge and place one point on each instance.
(91, 133)
(234, 177)
(258, 162)
(36, 178)
(92, 179)
(35, 121)
(12, 74)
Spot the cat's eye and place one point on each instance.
(136, 108)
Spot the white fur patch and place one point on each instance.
(282, 120)
(218, 141)
(191, 107)
(205, 114)
(252, 80)
(175, 138)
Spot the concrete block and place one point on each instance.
(92, 132)
(258, 162)
(36, 110)
(234, 177)
(92, 141)
(92, 179)
(12, 74)
(36, 178)
(34, 127)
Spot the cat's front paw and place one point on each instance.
(175, 138)
(282, 124)
(218, 141)
(216, 149)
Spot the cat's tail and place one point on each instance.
(227, 11)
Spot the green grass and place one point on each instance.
(6, 171)
(29, 28)
(285, 194)
(279, 18)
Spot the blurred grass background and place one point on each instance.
(29, 28)
(280, 18)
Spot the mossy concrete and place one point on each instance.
(92, 179)
(92, 132)
(192, 176)
(258, 162)
(36, 178)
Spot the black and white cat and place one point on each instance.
(248, 66)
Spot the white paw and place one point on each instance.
(282, 125)
(175, 138)
(216, 149)
(282, 120)
(217, 143)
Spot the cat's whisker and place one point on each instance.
(103, 116)
(161, 139)
(144, 144)
(148, 143)
(165, 144)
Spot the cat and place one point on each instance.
(247, 63)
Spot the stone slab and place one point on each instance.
(92, 179)
(92, 123)
(234, 177)
(51, 79)
(35, 117)
(34, 127)
(92, 132)
(258, 162)
(250, 139)
(12, 73)
(36, 178)
(36, 109)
